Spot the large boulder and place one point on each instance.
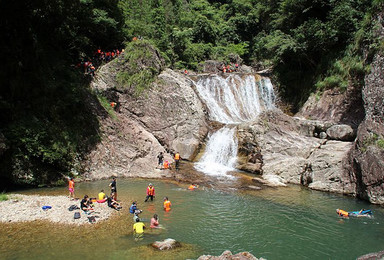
(227, 255)
(290, 157)
(341, 132)
(166, 244)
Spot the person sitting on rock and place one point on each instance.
(113, 203)
(84, 205)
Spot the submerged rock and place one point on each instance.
(227, 255)
(166, 244)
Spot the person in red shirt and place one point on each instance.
(150, 192)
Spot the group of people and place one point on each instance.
(139, 226)
(99, 57)
(164, 164)
(86, 203)
(229, 68)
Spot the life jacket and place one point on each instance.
(343, 213)
(191, 187)
(113, 104)
(177, 156)
(167, 205)
(151, 191)
(166, 164)
(71, 184)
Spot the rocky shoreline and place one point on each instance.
(23, 208)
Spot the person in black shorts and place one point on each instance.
(113, 188)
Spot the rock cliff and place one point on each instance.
(169, 117)
(367, 156)
(365, 164)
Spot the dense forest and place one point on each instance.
(45, 114)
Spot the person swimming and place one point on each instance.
(193, 187)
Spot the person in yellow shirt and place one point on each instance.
(138, 229)
(102, 195)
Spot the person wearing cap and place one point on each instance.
(150, 192)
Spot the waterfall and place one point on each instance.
(231, 100)
(235, 99)
(220, 153)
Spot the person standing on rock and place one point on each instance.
(113, 188)
(161, 158)
(71, 188)
(150, 192)
(177, 160)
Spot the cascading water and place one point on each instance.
(231, 100)
(220, 154)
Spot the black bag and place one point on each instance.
(73, 207)
(77, 215)
(92, 219)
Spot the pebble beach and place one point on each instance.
(23, 208)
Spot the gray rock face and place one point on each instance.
(335, 106)
(289, 157)
(169, 117)
(367, 157)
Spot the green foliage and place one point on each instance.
(141, 66)
(372, 139)
(107, 106)
(45, 103)
(380, 143)
(3, 197)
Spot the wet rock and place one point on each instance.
(227, 255)
(372, 256)
(166, 244)
(341, 132)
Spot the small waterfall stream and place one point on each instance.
(230, 100)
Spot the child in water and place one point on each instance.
(155, 221)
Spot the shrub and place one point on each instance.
(3, 197)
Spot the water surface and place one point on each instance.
(283, 223)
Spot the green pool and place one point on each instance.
(278, 223)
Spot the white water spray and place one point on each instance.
(230, 100)
(220, 153)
